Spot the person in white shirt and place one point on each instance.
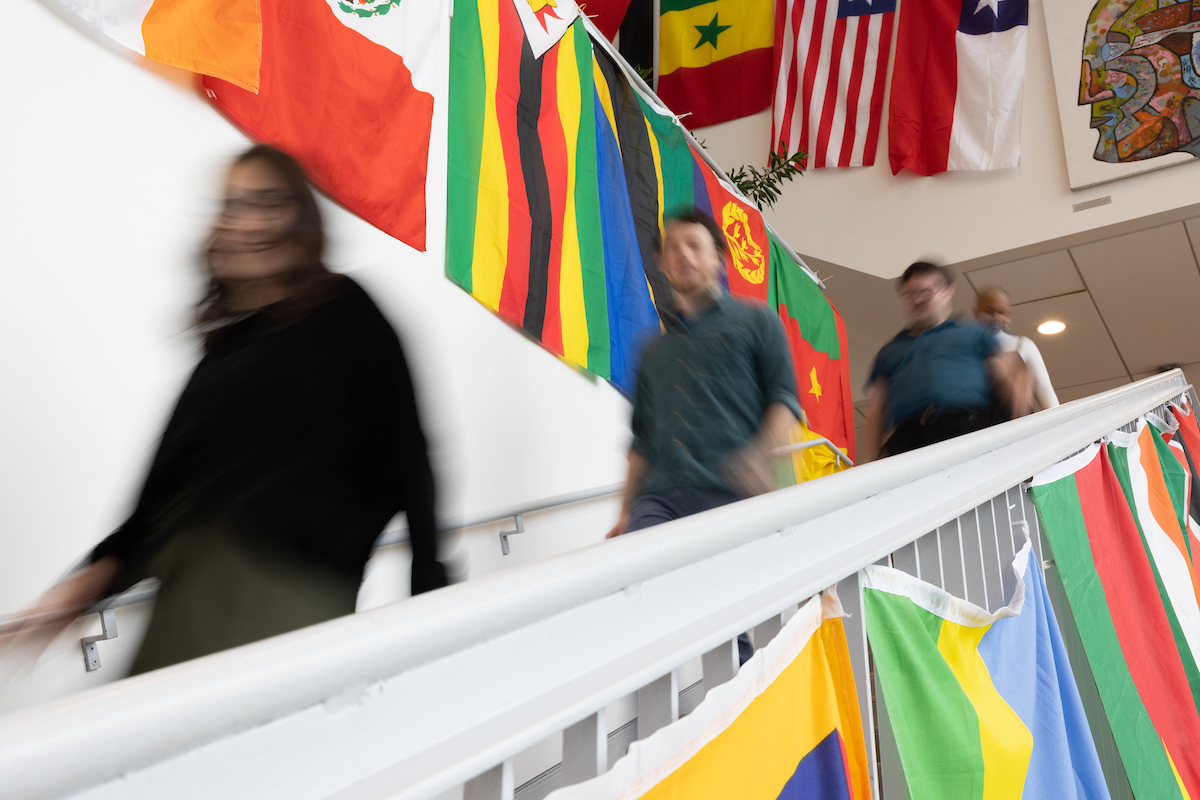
(993, 310)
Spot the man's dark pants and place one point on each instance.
(936, 428)
(654, 509)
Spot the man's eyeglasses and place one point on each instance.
(917, 295)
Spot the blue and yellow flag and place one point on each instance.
(983, 705)
(787, 726)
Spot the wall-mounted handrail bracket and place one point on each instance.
(520, 520)
(108, 627)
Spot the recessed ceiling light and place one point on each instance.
(1051, 327)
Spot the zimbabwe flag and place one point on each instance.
(715, 58)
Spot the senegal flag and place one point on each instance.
(715, 58)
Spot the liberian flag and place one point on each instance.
(347, 87)
(830, 67)
(222, 38)
(1131, 637)
(958, 86)
(787, 727)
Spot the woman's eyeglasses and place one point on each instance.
(257, 208)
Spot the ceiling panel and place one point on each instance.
(1147, 288)
(1070, 393)
(1083, 353)
(1190, 371)
(1031, 278)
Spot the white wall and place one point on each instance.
(870, 220)
(111, 165)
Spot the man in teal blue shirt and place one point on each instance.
(715, 394)
(938, 378)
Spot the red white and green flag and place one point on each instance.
(347, 87)
(1130, 602)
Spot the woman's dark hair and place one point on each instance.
(213, 313)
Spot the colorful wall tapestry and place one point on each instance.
(222, 38)
(1123, 598)
(348, 89)
(982, 704)
(1127, 77)
(559, 175)
(787, 726)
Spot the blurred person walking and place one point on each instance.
(715, 394)
(938, 378)
(993, 311)
(294, 442)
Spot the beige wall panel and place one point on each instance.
(1083, 353)
(1152, 320)
(1069, 393)
(1031, 278)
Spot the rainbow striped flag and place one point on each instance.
(559, 175)
(787, 726)
(1130, 602)
(983, 705)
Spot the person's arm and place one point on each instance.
(67, 599)
(1011, 379)
(638, 467)
(876, 414)
(1043, 389)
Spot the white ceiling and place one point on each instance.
(1131, 303)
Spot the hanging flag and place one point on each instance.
(222, 38)
(607, 15)
(1126, 632)
(545, 21)
(715, 58)
(347, 88)
(958, 86)
(747, 259)
(982, 704)
(540, 225)
(1155, 486)
(1188, 439)
(787, 726)
(830, 68)
(817, 338)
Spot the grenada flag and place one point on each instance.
(787, 727)
(347, 87)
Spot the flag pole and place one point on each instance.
(636, 80)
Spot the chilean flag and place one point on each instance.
(958, 85)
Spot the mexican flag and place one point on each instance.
(347, 87)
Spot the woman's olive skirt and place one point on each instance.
(220, 590)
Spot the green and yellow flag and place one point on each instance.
(715, 58)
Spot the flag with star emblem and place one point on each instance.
(816, 336)
(715, 58)
(958, 86)
(830, 68)
(545, 21)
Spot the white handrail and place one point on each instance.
(874, 509)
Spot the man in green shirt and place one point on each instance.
(715, 394)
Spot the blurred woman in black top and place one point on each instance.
(293, 444)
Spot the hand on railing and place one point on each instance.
(69, 598)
